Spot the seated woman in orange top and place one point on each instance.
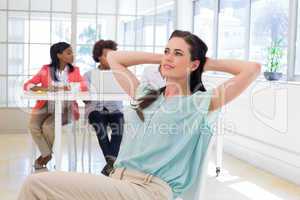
(52, 77)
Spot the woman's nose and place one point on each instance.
(169, 57)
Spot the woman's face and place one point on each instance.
(176, 62)
(66, 56)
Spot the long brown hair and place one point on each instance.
(198, 51)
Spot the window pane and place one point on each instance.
(61, 28)
(204, 22)
(39, 5)
(39, 56)
(3, 26)
(86, 29)
(165, 5)
(127, 7)
(164, 21)
(86, 6)
(18, 27)
(40, 28)
(145, 49)
(126, 30)
(3, 4)
(3, 58)
(232, 29)
(15, 90)
(59, 5)
(84, 58)
(145, 30)
(159, 50)
(104, 7)
(106, 27)
(18, 59)
(3, 91)
(145, 7)
(269, 23)
(164, 27)
(18, 4)
(297, 64)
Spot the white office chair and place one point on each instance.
(87, 132)
(196, 192)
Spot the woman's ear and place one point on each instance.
(195, 65)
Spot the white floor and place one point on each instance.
(238, 181)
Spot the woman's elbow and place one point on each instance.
(256, 68)
(111, 58)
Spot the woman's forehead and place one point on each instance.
(177, 43)
(68, 49)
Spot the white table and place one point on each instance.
(59, 97)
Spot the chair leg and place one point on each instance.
(75, 144)
(218, 171)
(33, 152)
(90, 151)
(83, 150)
(72, 148)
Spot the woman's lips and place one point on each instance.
(166, 66)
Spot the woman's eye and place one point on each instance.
(178, 54)
(165, 51)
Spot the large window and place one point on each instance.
(269, 23)
(204, 18)
(137, 25)
(30, 27)
(233, 20)
(245, 28)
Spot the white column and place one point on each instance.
(184, 15)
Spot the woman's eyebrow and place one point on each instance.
(167, 48)
(179, 50)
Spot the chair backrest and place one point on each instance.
(196, 192)
(104, 82)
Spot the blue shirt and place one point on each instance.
(171, 142)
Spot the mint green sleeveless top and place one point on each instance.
(171, 142)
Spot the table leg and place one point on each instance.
(58, 130)
(219, 148)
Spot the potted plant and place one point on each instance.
(274, 63)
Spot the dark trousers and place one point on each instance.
(100, 120)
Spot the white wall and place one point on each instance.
(262, 127)
(13, 120)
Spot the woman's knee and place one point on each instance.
(48, 128)
(34, 127)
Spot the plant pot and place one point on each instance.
(272, 76)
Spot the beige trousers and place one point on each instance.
(122, 184)
(42, 126)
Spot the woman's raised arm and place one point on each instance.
(244, 74)
(120, 60)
